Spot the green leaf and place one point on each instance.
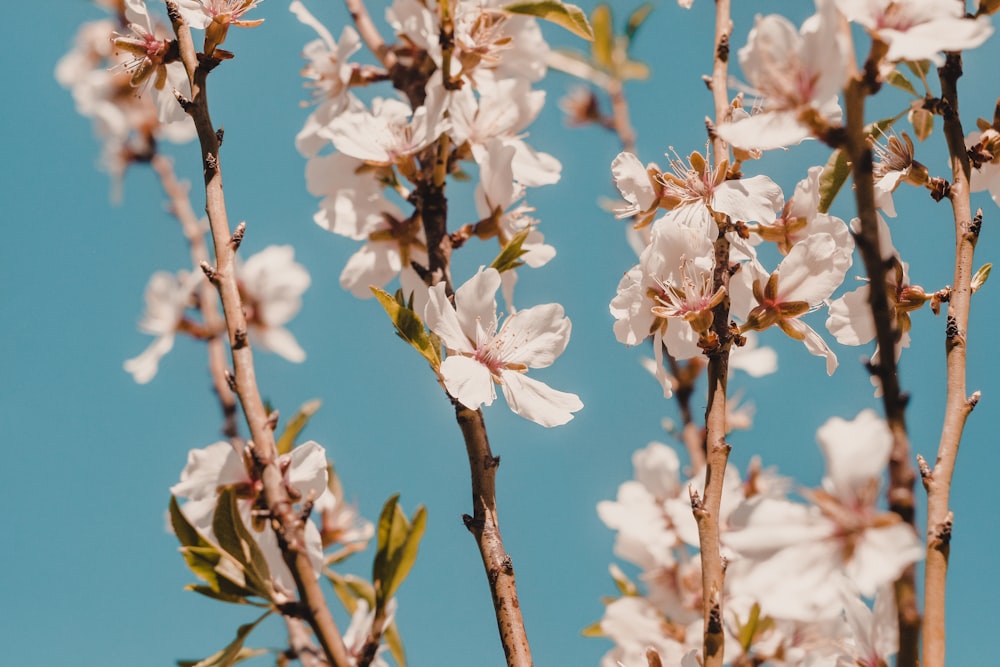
(395, 644)
(233, 653)
(409, 326)
(636, 19)
(593, 630)
(603, 45)
(222, 596)
(237, 540)
(295, 425)
(567, 16)
(187, 534)
(834, 175)
(895, 78)
(624, 584)
(922, 121)
(981, 276)
(398, 541)
(920, 68)
(509, 257)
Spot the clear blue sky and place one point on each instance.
(89, 574)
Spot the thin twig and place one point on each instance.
(957, 404)
(180, 207)
(485, 526)
(621, 123)
(370, 34)
(707, 511)
(901, 472)
(288, 525)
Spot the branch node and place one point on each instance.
(209, 271)
(230, 380)
(185, 103)
(272, 420)
(977, 224)
(707, 80)
(722, 50)
(939, 536)
(211, 162)
(471, 523)
(926, 474)
(219, 134)
(240, 339)
(696, 503)
(237, 238)
(507, 564)
(973, 400)
(491, 462)
(951, 330)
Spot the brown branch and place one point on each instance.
(370, 34)
(620, 122)
(957, 404)
(180, 207)
(901, 472)
(485, 527)
(707, 509)
(288, 525)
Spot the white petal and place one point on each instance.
(209, 468)
(468, 381)
(442, 320)
(280, 341)
(535, 336)
(856, 451)
(308, 470)
(850, 319)
(537, 401)
(757, 198)
(143, 367)
(476, 303)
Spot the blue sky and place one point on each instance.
(90, 574)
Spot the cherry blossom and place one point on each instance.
(984, 146)
(480, 354)
(918, 29)
(800, 218)
(221, 465)
(635, 626)
(167, 297)
(894, 166)
(797, 73)
(271, 284)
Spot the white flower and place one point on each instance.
(798, 73)
(220, 465)
(918, 29)
(985, 146)
(167, 297)
(272, 283)
(635, 625)
(356, 635)
(480, 354)
(201, 14)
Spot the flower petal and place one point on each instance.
(537, 401)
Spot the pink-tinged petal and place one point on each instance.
(696, 217)
(468, 381)
(850, 319)
(881, 555)
(630, 309)
(927, 40)
(442, 320)
(533, 168)
(280, 341)
(657, 468)
(143, 367)
(633, 183)
(766, 131)
(856, 452)
(535, 336)
(812, 270)
(375, 263)
(537, 401)
(754, 199)
(209, 468)
(815, 344)
(308, 470)
(476, 303)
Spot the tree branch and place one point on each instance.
(957, 404)
(288, 525)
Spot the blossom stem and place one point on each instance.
(707, 511)
(180, 207)
(288, 525)
(620, 121)
(485, 526)
(901, 472)
(369, 33)
(957, 405)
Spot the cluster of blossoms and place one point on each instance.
(797, 570)
(371, 162)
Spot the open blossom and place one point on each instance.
(328, 74)
(792, 552)
(482, 353)
(271, 284)
(800, 218)
(167, 297)
(797, 73)
(918, 29)
(220, 465)
(984, 146)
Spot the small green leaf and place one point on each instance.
(834, 175)
(237, 540)
(409, 326)
(406, 555)
(233, 653)
(593, 630)
(624, 584)
(203, 561)
(187, 534)
(295, 425)
(395, 644)
(748, 629)
(920, 68)
(922, 121)
(636, 19)
(633, 70)
(897, 79)
(232, 598)
(981, 276)
(398, 541)
(567, 16)
(603, 45)
(509, 257)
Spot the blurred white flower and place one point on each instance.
(167, 297)
(271, 285)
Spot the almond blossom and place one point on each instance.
(167, 297)
(918, 29)
(984, 148)
(221, 465)
(797, 74)
(271, 285)
(482, 353)
(790, 552)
